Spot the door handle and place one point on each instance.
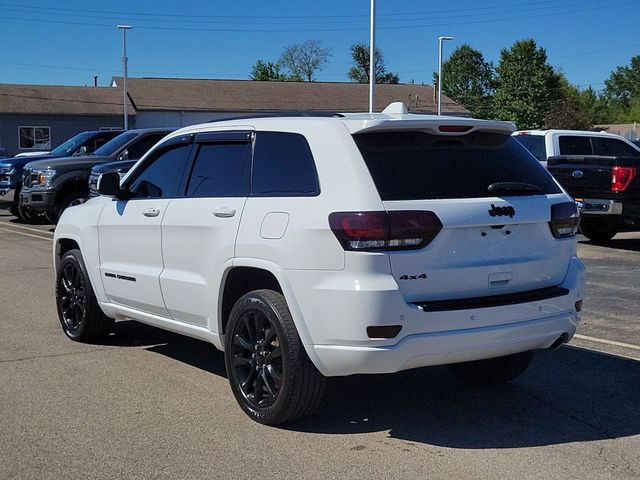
(224, 212)
(151, 212)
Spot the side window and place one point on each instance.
(578, 145)
(615, 148)
(221, 170)
(535, 144)
(162, 177)
(142, 146)
(283, 166)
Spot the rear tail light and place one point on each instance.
(565, 218)
(621, 178)
(380, 231)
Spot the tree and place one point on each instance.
(469, 80)
(303, 60)
(623, 85)
(526, 85)
(361, 59)
(572, 111)
(267, 71)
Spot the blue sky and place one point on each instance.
(68, 41)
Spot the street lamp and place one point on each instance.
(124, 29)
(440, 40)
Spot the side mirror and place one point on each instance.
(109, 184)
(82, 151)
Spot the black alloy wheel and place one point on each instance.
(257, 359)
(72, 297)
(270, 374)
(79, 313)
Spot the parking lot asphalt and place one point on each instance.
(152, 404)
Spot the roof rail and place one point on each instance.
(278, 115)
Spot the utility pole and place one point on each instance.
(440, 40)
(372, 58)
(124, 29)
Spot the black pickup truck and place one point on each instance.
(608, 188)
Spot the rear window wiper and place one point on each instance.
(513, 188)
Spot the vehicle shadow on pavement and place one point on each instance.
(193, 352)
(569, 395)
(629, 244)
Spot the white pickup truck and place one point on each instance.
(599, 170)
(550, 143)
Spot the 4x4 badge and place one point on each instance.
(502, 211)
(422, 276)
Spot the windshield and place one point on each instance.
(71, 145)
(115, 144)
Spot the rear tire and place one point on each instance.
(80, 315)
(599, 229)
(492, 371)
(270, 374)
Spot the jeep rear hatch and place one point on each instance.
(493, 201)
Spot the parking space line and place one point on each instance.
(31, 229)
(27, 234)
(607, 342)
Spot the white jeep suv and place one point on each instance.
(308, 247)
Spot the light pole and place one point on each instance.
(440, 40)
(372, 58)
(124, 29)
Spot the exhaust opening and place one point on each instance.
(564, 338)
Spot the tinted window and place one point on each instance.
(115, 144)
(221, 170)
(162, 177)
(283, 166)
(142, 146)
(615, 148)
(575, 145)
(418, 165)
(535, 144)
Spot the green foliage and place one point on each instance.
(266, 71)
(526, 85)
(360, 70)
(572, 110)
(623, 85)
(469, 80)
(303, 60)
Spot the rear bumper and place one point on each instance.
(442, 348)
(336, 319)
(595, 206)
(38, 200)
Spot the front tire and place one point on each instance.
(270, 374)
(27, 214)
(80, 315)
(492, 371)
(599, 229)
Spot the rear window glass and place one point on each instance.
(535, 144)
(575, 145)
(616, 148)
(418, 165)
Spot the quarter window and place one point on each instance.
(575, 145)
(34, 138)
(162, 177)
(221, 170)
(283, 166)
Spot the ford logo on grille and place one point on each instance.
(577, 174)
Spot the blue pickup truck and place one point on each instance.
(84, 143)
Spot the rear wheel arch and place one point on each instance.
(239, 281)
